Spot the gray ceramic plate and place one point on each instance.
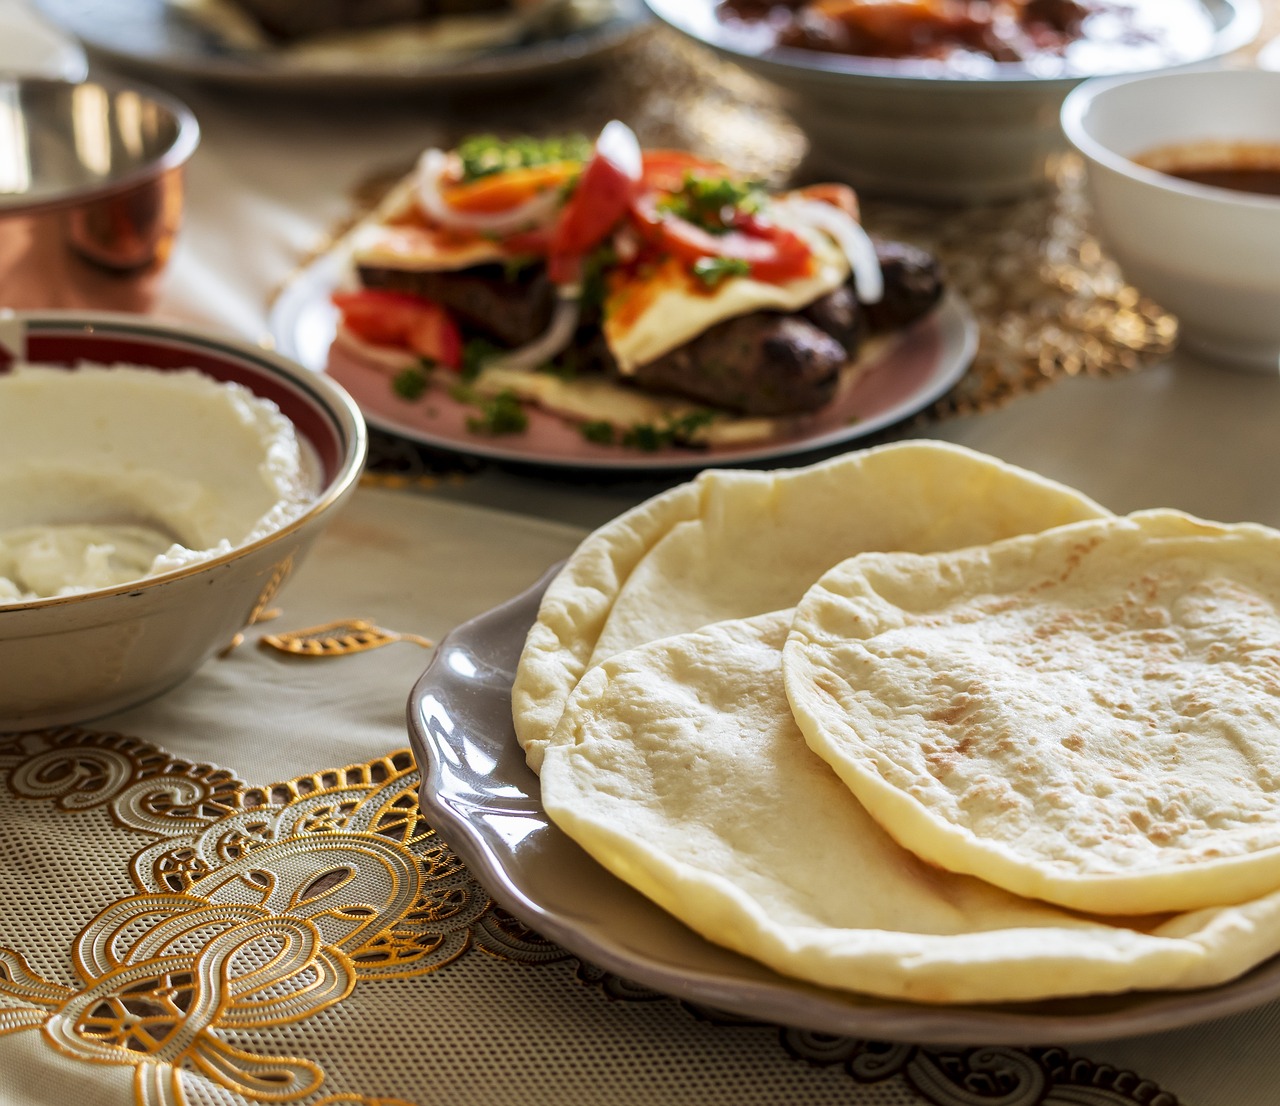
(917, 367)
(483, 799)
(157, 35)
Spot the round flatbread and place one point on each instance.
(1089, 715)
(682, 771)
(735, 543)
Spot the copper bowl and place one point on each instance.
(91, 191)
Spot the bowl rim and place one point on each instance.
(336, 403)
(1241, 25)
(185, 141)
(1075, 109)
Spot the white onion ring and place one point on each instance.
(433, 165)
(557, 336)
(853, 240)
(618, 144)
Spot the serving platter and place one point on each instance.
(483, 799)
(161, 36)
(913, 370)
(1220, 27)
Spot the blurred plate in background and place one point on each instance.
(164, 36)
(926, 130)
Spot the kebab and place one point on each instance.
(587, 277)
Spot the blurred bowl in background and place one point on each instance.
(184, 461)
(918, 129)
(91, 192)
(1206, 253)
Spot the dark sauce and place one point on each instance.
(1261, 182)
(1237, 167)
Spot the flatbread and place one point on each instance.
(681, 770)
(735, 543)
(1090, 715)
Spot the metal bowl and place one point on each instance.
(91, 192)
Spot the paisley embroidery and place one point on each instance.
(257, 908)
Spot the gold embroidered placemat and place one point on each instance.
(313, 940)
(230, 896)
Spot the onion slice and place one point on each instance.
(553, 340)
(852, 239)
(618, 144)
(432, 167)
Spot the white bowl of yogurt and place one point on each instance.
(158, 486)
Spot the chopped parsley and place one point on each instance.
(412, 382)
(483, 155)
(648, 437)
(476, 353)
(599, 431)
(595, 270)
(712, 270)
(710, 203)
(500, 414)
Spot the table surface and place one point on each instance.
(273, 176)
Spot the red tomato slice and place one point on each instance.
(403, 320)
(666, 169)
(599, 203)
(773, 253)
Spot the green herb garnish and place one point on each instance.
(476, 353)
(482, 155)
(646, 436)
(599, 431)
(500, 414)
(595, 269)
(712, 270)
(711, 202)
(412, 382)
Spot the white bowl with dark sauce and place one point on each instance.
(1183, 177)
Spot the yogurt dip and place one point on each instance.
(109, 475)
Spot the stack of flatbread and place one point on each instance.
(918, 724)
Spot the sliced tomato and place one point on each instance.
(599, 202)
(508, 189)
(527, 243)
(773, 254)
(402, 320)
(666, 169)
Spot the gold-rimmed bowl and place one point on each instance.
(69, 658)
(91, 191)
